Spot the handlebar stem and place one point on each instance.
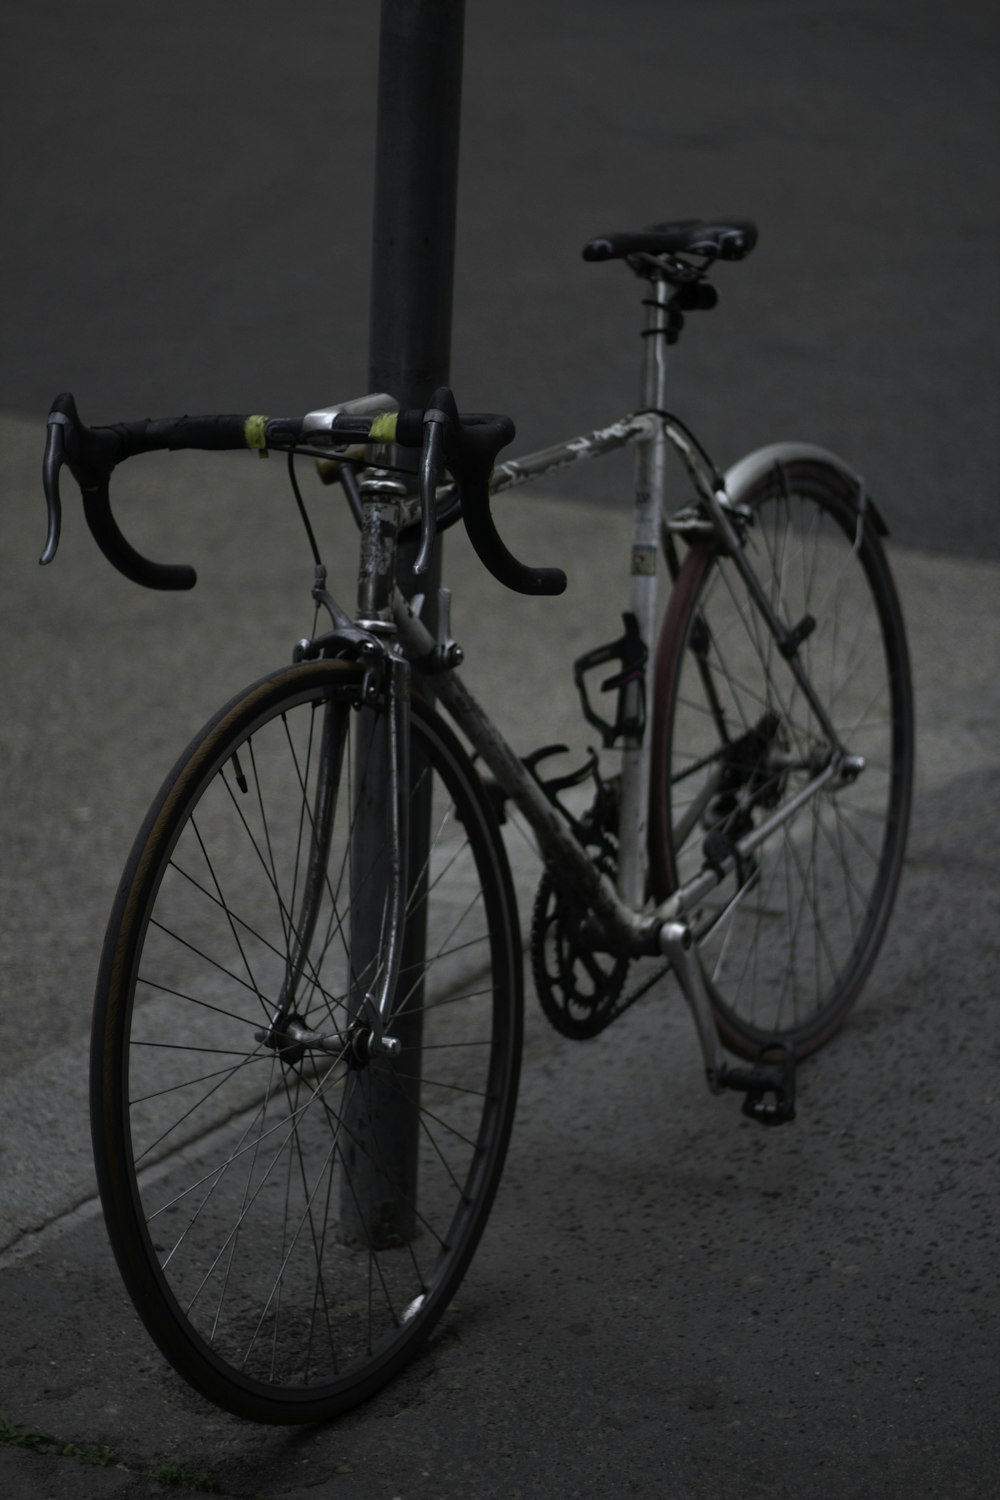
(382, 495)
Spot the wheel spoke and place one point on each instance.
(306, 1214)
(787, 962)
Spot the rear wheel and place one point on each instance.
(292, 1210)
(789, 936)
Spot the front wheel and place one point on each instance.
(789, 936)
(292, 1207)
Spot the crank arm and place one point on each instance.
(677, 944)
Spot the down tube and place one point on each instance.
(635, 933)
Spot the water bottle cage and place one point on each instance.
(630, 713)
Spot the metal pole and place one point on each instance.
(416, 196)
(416, 192)
(413, 251)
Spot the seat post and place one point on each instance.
(653, 391)
(650, 468)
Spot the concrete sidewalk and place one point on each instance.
(668, 1301)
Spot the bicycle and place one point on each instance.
(308, 1016)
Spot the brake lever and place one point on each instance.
(91, 454)
(430, 467)
(55, 446)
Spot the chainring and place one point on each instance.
(578, 983)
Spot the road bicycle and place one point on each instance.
(308, 1018)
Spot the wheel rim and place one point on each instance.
(789, 955)
(292, 1221)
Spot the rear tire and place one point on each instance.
(733, 740)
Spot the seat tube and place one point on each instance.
(650, 469)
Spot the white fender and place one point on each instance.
(748, 471)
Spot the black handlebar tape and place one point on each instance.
(494, 555)
(209, 433)
(93, 452)
(471, 445)
(122, 555)
(92, 455)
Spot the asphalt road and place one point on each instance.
(669, 1302)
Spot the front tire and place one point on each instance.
(291, 1222)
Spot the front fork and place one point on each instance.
(381, 839)
(380, 817)
(378, 864)
(379, 836)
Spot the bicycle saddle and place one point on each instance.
(729, 239)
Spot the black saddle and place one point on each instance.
(729, 239)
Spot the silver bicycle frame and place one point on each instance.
(653, 435)
(620, 907)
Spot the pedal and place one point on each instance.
(769, 1086)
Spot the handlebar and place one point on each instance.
(468, 445)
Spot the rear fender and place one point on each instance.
(747, 472)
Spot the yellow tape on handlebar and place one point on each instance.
(383, 428)
(255, 432)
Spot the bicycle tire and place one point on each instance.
(290, 1225)
(732, 737)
